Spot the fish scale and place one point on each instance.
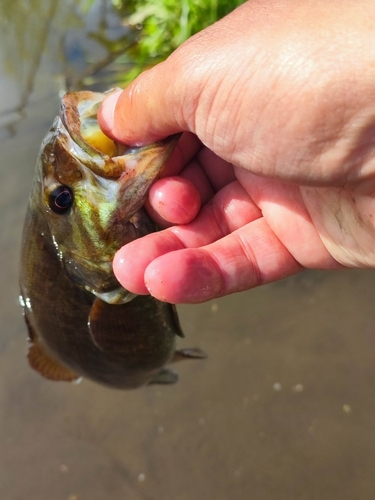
(86, 202)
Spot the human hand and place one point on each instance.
(290, 184)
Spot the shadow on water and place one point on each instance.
(282, 409)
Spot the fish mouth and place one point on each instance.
(95, 276)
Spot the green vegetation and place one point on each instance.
(160, 26)
(153, 29)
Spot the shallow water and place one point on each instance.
(283, 408)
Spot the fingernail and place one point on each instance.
(107, 111)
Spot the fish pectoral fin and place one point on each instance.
(104, 327)
(42, 362)
(190, 353)
(97, 324)
(165, 376)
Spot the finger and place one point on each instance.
(218, 171)
(174, 200)
(249, 257)
(186, 92)
(230, 209)
(187, 147)
(177, 200)
(149, 101)
(196, 175)
(284, 209)
(182, 162)
(209, 173)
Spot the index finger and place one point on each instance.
(187, 147)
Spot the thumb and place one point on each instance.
(194, 90)
(146, 111)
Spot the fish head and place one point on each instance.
(91, 191)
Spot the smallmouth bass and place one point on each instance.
(86, 202)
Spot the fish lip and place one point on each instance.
(79, 258)
(96, 276)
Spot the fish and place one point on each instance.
(86, 202)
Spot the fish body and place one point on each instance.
(86, 202)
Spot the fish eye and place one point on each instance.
(60, 199)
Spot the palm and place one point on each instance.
(250, 231)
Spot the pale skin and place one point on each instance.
(275, 170)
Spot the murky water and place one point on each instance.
(284, 408)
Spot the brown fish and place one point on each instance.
(86, 202)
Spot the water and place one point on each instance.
(283, 408)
